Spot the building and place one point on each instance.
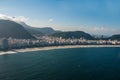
(5, 44)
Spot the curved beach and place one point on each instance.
(14, 51)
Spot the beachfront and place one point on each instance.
(45, 41)
(14, 51)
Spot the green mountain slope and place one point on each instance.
(73, 34)
(12, 29)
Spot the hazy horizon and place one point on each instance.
(92, 16)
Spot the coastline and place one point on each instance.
(14, 51)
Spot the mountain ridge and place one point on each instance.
(12, 29)
(73, 34)
(9, 28)
(35, 30)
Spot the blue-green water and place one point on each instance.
(62, 64)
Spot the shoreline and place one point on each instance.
(14, 51)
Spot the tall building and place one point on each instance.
(5, 44)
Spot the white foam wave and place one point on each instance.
(8, 52)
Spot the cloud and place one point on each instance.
(99, 30)
(15, 18)
(50, 20)
(20, 18)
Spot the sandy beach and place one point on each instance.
(14, 51)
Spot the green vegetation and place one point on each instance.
(73, 34)
(12, 29)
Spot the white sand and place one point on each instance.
(53, 47)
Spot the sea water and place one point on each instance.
(62, 64)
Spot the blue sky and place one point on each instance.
(92, 16)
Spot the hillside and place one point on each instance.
(31, 30)
(73, 34)
(38, 31)
(12, 29)
(46, 30)
(115, 37)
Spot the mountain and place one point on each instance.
(38, 31)
(46, 30)
(73, 34)
(12, 29)
(31, 30)
(115, 37)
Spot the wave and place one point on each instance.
(8, 52)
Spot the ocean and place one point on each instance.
(62, 64)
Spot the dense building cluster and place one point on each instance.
(11, 43)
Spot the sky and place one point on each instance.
(92, 16)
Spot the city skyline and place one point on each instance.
(92, 16)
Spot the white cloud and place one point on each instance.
(20, 18)
(15, 18)
(99, 30)
(50, 20)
